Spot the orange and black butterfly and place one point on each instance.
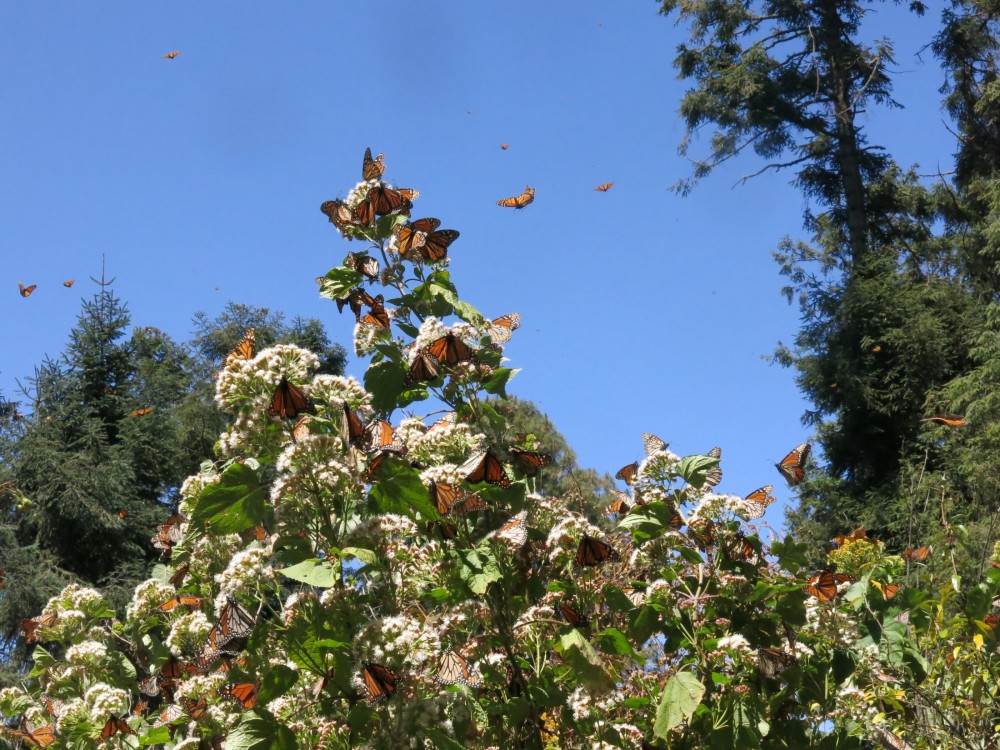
(629, 474)
(714, 475)
(515, 530)
(504, 146)
(244, 349)
(424, 367)
(951, 420)
(890, 740)
(530, 462)
(195, 708)
(234, 624)
(142, 412)
(355, 299)
(69, 283)
(889, 590)
(773, 662)
(738, 548)
(364, 264)
(824, 585)
(620, 506)
(372, 169)
(604, 188)
(593, 551)
(181, 600)
(171, 55)
(792, 466)
(423, 240)
(171, 713)
(449, 350)
(454, 669)
(518, 201)
(382, 200)
(352, 429)
(289, 401)
(380, 435)
(450, 499)
(857, 535)
(41, 737)
(377, 316)
(916, 555)
(26, 290)
(483, 466)
(572, 615)
(245, 693)
(503, 327)
(339, 213)
(169, 533)
(114, 726)
(53, 706)
(28, 627)
(380, 682)
(754, 504)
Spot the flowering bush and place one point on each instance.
(332, 581)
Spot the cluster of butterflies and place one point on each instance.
(27, 290)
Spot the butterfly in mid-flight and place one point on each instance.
(604, 188)
(792, 466)
(69, 283)
(518, 201)
(171, 55)
(26, 290)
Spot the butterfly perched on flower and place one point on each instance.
(422, 240)
(454, 669)
(382, 200)
(572, 615)
(483, 466)
(356, 299)
(515, 530)
(653, 444)
(592, 551)
(380, 435)
(377, 316)
(243, 350)
(380, 682)
(364, 264)
(773, 662)
(450, 499)
(29, 626)
(244, 693)
(529, 462)
(233, 625)
(115, 725)
(181, 600)
(629, 474)
(620, 506)
(857, 535)
(424, 367)
(604, 188)
(518, 201)
(40, 737)
(170, 532)
(714, 475)
(792, 466)
(339, 213)
(449, 350)
(372, 169)
(352, 429)
(824, 585)
(753, 505)
(26, 290)
(503, 327)
(288, 401)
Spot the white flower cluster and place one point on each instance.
(367, 335)
(103, 699)
(398, 640)
(87, 654)
(148, 595)
(735, 643)
(564, 537)
(188, 633)
(444, 443)
(246, 570)
(430, 331)
(333, 390)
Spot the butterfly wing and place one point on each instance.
(234, 623)
(515, 530)
(449, 350)
(483, 466)
(530, 462)
(450, 499)
(454, 669)
(518, 201)
(653, 444)
(592, 551)
(755, 504)
(792, 466)
(245, 693)
(604, 188)
(372, 169)
(289, 401)
(503, 327)
(26, 290)
(380, 682)
(629, 474)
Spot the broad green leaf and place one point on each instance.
(321, 573)
(259, 730)
(278, 680)
(480, 581)
(339, 281)
(694, 469)
(366, 556)
(385, 381)
(155, 736)
(614, 641)
(584, 661)
(234, 503)
(496, 383)
(680, 697)
(43, 660)
(469, 314)
(399, 490)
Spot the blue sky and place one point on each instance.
(199, 180)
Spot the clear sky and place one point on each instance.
(199, 180)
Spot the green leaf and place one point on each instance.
(259, 730)
(366, 556)
(680, 697)
(791, 556)
(234, 503)
(278, 680)
(321, 573)
(385, 381)
(339, 281)
(584, 661)
(43, 660)
(399, 490)
(469, 314)
(694, 469)
(614, 641)
(155, 736)
(496, 383)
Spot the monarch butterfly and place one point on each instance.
(69, 283)
(300, 430)
(754, 504)
(423, 369)
(504, 146)
(355, 299)
(620, 506)
(195, 708)
(991, 621)
(382, 200)
(792, 466)
(424, 240)
(916, 555)
(824, 585)
(364, 264)
(447, 420)
(245, 693)
(738, 547)
(951, 420)
(338, 212)
(714, 475)
(454, 500)
(150, 685)
(121, 513)
(773, 662)
(593, 551)
(181, 600)
(530, 462)
(171, 55)
(483, 466)
(172, 669)
(604, 188)
(889, 590)
(377, 316)
(858, 534)
(244, 349)
(171, 713)
(503, 327)
(28, 627)
(702, 531)
(288, 401)
(41, 737)
(890, 740)
(169, 533)
(53, 706)
(380, 435)
(629, 474)
(572, 616)
(375, 461)
(411, 235)
(380, 682)
(518, 201)
(454, 669)
(515, 530)
(653, 444)
(142, 412)
(113, 726)
(352, 429)
(234, 624)
(26, 290)
(372, 169)
(449, 349)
